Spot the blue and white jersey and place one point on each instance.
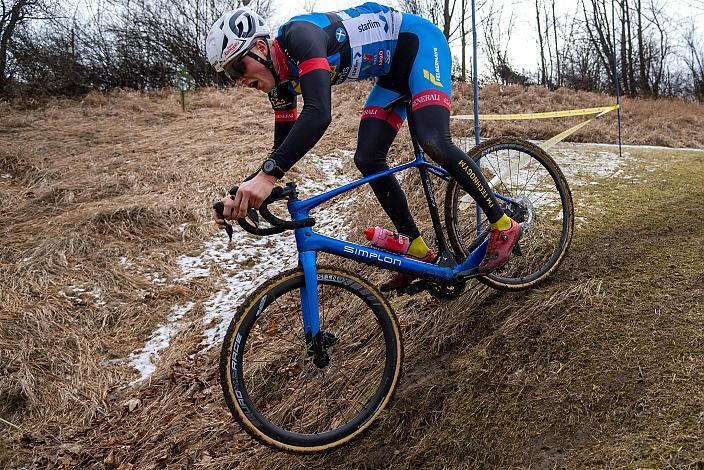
(360, 42)
(407, 53)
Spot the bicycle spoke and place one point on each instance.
(283, 314)
(530, 179)
(510, 175)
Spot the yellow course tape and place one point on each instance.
(563, 135)
(551, 114)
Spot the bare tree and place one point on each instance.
(543, 71)
(463, 40)
(14, 14)
(644, 85)
(143, 44)
(644, 46)
(448, 12)
(694, 58)
(497, 35)
(429, 9)
(598, 28)
(658, 49)
(557, 47)
(309, 5)
(443, 13)
(439, 12)
(581, 66)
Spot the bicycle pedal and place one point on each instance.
(517, 249)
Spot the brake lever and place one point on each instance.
(253, 216)
(219, 208)
(251, 213)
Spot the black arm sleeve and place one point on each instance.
(283, 102)
(303, 42)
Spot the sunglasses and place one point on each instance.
(235, 70)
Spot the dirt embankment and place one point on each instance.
(101, 198)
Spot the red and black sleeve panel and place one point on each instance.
(284, 102)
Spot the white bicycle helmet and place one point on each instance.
(233, 35)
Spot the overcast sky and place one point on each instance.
(523, 49)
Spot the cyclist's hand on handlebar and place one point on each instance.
(252, 193)
(228, 211)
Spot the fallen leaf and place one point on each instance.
(110, 461)
(133, 404)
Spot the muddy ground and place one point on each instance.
(115, 286)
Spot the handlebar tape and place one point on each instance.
(279, 225)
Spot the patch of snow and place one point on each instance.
(580, 168)
(143, 294)
(82, 295)
(144, 359)
(7, 176)
(155, 277)
(255, 259)
(193, 267)
(252, 261)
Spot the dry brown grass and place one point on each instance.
(599, 366)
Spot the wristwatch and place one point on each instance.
(270, 167)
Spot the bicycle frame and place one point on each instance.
(309, 243)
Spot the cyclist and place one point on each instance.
(312, 52)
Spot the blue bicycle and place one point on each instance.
(314, 355)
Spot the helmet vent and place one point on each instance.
(234, 33)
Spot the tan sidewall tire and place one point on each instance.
(227, 351)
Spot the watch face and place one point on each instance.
(269, 166)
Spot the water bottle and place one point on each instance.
(387, 240)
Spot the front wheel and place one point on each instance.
(272, 382)
(532, 190)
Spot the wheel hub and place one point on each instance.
(521, 210)
(319, 350)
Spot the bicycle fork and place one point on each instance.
(318, 341)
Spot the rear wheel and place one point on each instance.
(285, 396)
(533, 191)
